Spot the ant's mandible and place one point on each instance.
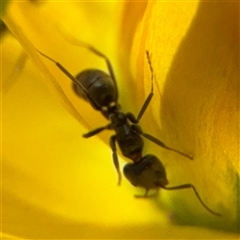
(100, 90)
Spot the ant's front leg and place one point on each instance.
(112, 142)
(150, 95)
(96, 131)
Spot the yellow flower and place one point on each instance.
(57, 184)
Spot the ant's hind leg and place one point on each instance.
(146, 194)
(188, 185)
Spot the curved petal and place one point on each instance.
(54, 184)
(194, 48)
(51, 177)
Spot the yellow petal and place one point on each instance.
(194, 48)
(55, 185)
(53, 171)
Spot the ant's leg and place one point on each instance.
(149, 98)
(109, 65)
(143, 109)
(95, 51)
(138, 129)
(65, 71)
(184, 186)
(145, 195)
(160, 143)
(96, 131)
(113, 140)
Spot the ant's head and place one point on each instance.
(148, 173)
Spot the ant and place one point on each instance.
(100, 90)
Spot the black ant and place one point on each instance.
(100, 90)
